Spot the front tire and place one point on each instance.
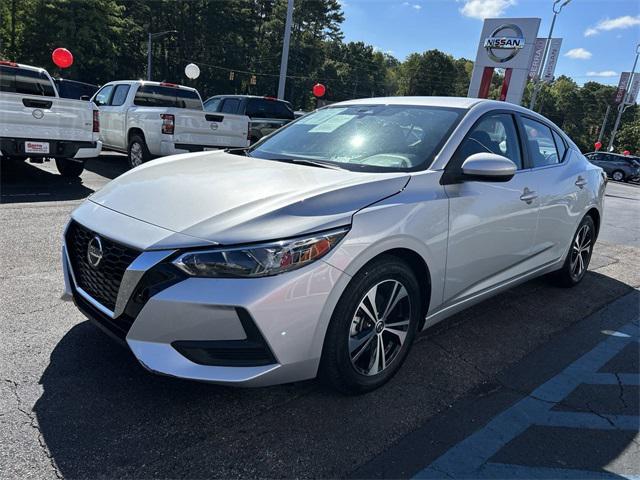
(577, 262)
(69, 168)
(137, 151)
(618, 176)
(372, 327)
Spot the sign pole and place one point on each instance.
(604, 124)
(285, 50)
(621, 107)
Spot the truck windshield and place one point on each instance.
(161, 96)
(364, 137)
(25, 81)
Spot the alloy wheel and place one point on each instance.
(379, 327)
(581, 251)
(618, 176)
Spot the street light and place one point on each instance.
(623, 105)
(558, 5)
(150, 38)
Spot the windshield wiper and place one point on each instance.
(311, 163)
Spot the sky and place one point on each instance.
(599, 36)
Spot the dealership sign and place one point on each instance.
(502, 48)
(552, 59)
(505, 43)
(622, 87)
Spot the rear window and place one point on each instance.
(160, 96)
(26, 82)
(264, 108)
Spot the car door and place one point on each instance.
(491, 224)
(101, 99)
(117, 114)
(559, 180)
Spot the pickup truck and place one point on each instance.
(267, 114)
(36, 123)
(150, 119)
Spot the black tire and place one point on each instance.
(571, 274)
(137, 151)
(618, 176)
(69, 168)
(337, 369)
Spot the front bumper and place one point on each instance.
(289, 313)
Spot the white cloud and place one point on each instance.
(603, 73)
(578, 54)
(482, 9)
(415, 6)
(627, 21)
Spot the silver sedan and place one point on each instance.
(326, 247)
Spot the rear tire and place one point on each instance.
(577, 262)
(69, 168)
(353, 361)
(138, 151)
(618, 175)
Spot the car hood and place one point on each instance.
(230, 199)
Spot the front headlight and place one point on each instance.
(259, 260)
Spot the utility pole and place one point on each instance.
(537, 83)
(285, 50)
(604, 124)
(149, 40)
(623, 105)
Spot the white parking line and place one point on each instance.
(468, 459)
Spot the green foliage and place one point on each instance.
(235, 41)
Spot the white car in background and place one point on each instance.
(327, 246)
(152, 119)
(36, 123)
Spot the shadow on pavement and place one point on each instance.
(102, 415)
(109, 165)
(23, 182)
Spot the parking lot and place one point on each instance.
(537, 382)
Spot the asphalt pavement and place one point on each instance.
(538, 382)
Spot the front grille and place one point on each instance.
(102, 282)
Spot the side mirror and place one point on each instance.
(85, 97)
(488, 167)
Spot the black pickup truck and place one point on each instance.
(267, 114)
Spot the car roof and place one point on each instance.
(262, 97)
(616, 154)
(28, 67)
(149, 82)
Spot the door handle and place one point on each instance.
(581, 182)
(528, 196)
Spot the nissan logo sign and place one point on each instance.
(511, 44)
(94, 252)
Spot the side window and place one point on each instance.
(560, 145)
(102, 97)
(119, 95)
(212, 104)
(493, 134)
(230, 105)
(540, 143)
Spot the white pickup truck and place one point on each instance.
(150, 119)
(36, 123)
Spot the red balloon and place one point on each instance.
(62, 57)
(319, 90)
(598, 145)
(626, 153)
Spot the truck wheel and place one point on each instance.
(69, 168)
(138, 151)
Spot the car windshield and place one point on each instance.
(364, 137)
